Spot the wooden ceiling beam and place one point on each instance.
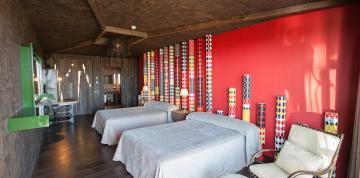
(249, 18)
(96, 11)
(123, 31)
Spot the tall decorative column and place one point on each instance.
(232, 102)
(161, 58)
(331, 122)
(145, 69)
(331, 125)
(184, 75)
(157, 78)
(260, 120)
(166, 74)
(148, 63)
(200, 75)
(191, 75)
(246, 97)
(208, 73)
(152, 74)
(280, 122)
(171, 75)
(177, 75)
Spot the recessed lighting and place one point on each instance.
(133, 27)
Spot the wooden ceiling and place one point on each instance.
(85, 26)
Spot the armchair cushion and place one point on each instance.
(315, 141)
(269, 170)
(294, 158)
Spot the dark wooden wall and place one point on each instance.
(18, 150)
(92, 90)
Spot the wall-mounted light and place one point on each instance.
(59, 79)
(133, 27)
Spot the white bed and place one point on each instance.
(203, 146)
(113, 122)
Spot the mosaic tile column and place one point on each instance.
(166, 74)
(260, 120)
(331, 125)
(232, 102)
(157, 78)
(191, 75)
(161, 58)
(171, 75)
(145, 69)
(220, 112)
(152, 74)
(200, 75)
(246, 97)
(280, 122)
(208, 49)
(331, 122)
(145, 74)
(148, 63)
(184, 75)
(177, 75)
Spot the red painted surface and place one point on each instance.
(313, 58)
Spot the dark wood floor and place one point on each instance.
(74, 150)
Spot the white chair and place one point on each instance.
(306, 148)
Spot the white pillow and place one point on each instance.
(166, 107)
(294, 158)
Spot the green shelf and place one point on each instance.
(28, 122)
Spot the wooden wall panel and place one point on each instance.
(91, 84)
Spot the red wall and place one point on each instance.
(313, 58)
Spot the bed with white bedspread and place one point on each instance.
(203, 146)
(113, 122)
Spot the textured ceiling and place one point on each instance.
(66, 23)
(61, 23)
(153, 15)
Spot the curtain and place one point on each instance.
(354, 164)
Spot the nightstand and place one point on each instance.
(179, 115)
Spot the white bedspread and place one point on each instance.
(112, 123)
(199, 147)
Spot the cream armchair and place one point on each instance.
(307, 153)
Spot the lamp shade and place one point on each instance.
(145, 88)
(184, 92)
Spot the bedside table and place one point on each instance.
(179, 115)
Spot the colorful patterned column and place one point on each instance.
(280, 122)
(200, 75)
(331, 125)
(177, 75)
(208, 73)
(191, 75)
(152, 74)
(232, 102)
(220, 112)
(145, 69)
(166, 74)
(148, 63)
(246, 97)
(171, 75)
(161, 58)
(184, 75)
(260, 120)
(157, 79)
(331, 122)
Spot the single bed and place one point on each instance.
(113, 122)
(203, 146)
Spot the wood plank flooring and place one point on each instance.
(74, 150)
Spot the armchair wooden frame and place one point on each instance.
(328, 170)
